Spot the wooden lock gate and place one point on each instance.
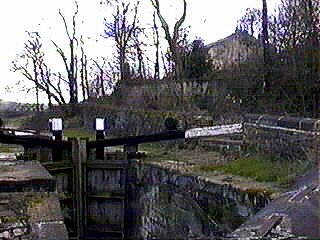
(92, 192)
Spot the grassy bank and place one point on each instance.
(262, 169)
(173, 151)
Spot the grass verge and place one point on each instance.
(8, 148)
(5, 148)
(175, 151)
(262, 169)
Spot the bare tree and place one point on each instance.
(33, 52)
(172, 39)
(102, 76)
(139, 55)
(313, 62)
(71, 64)
(33, 68)
(251, 21)
(122, 30)
(266, 47)
(85, 87)
(173, 42)
(157, 45)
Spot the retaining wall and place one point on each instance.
(139, 122)
(164, 203)
(287, 138)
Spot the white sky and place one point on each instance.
(209, 19)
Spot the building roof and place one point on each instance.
(240, 34)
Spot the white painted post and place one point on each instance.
(214, 131)
(56, 127)
(100, 126)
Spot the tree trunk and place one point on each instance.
(35, 70)
(103, 93)
(313, 57)
(122, 61)
(265, 42)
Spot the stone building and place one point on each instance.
(234, 49)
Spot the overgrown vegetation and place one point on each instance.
(5, 148)
(158, 152)
(262, 169)
(178, 152)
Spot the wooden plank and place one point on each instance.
(106, 212)
(108, 195)
(267, 225)
(20, 132)
(59, 163)
(79, 156)
(214, 131)
(303, 193)
(104, 180)
(31, 140)
(107, 164)
(57, 169)
(105, 196)
(59, 166)
(169, 135)
(133, 140)
(106, 228)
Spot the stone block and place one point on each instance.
(31, 215)
(269, 120)
(50, 231)
(289, 122)
(45, 209)
(252, 118)
(26, 176)
(308, 124)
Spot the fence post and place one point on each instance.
(131, 148)
(100, 127)
(79, 157)
(32, 153)
(56, 127)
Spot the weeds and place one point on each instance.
(262, 169)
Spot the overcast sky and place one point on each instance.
(209, 19)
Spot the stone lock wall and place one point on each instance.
(164, 203)
(283, 137)
(29, 206)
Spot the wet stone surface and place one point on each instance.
(168, 202)
(295, 214)
(31, 216)
(29, 208)
(20, 176)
